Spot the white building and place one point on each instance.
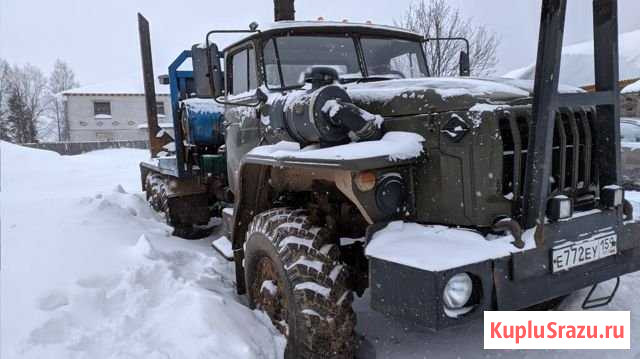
(113, 111)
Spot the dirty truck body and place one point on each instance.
(509, 200)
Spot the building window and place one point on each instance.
(160, 108)
(102, 108)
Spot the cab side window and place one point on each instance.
(244, 75)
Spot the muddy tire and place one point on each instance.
(158, 198)
(156, 189)
(293, 274)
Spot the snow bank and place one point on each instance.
(633, 88)
(396, 146)
(437, 248)
(577, 67)
(90, 271)
(166, 305)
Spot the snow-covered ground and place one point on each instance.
(89, 271)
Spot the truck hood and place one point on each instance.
(429, 95)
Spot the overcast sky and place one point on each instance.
(99, 38)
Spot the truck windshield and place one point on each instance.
(286, 58)
(394, 58)
(295, 54)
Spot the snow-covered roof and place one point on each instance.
(322, 23)
(131, 85)
(577, 62)
(634, 87)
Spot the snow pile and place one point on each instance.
(577, 62)
(431, 247)
(173, 304)
(90, 271)
(633, 88)
(396, 146)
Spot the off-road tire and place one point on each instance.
(311, 305)
(156, 189)
(158, 198)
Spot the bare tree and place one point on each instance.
(62, 78)
(26, 90)
(6, 131)
(437, 19)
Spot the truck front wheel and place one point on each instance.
(293, 275)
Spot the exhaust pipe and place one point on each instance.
(156, 142)
(284, 10)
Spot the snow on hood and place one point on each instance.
(428, 95)
(396, 146)
(445, 87)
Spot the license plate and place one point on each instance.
(569, 255)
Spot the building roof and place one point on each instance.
(577, 62)
(131, 86)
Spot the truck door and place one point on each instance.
(242, 122)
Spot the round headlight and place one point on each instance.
(458, 291)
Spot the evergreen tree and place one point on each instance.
(20, 118)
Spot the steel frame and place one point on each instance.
(547, 102)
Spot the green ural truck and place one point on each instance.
(349, 168)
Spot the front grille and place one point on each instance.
(572, 171)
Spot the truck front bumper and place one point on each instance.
(512, 282)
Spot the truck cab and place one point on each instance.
(351, 169)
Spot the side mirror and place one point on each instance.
(216, 73)
(465, 64)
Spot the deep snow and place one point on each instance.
(89, 271)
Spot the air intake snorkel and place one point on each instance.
(325, 114)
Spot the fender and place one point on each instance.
(258, 174)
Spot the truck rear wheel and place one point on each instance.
(158, 197)
(293, 274)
